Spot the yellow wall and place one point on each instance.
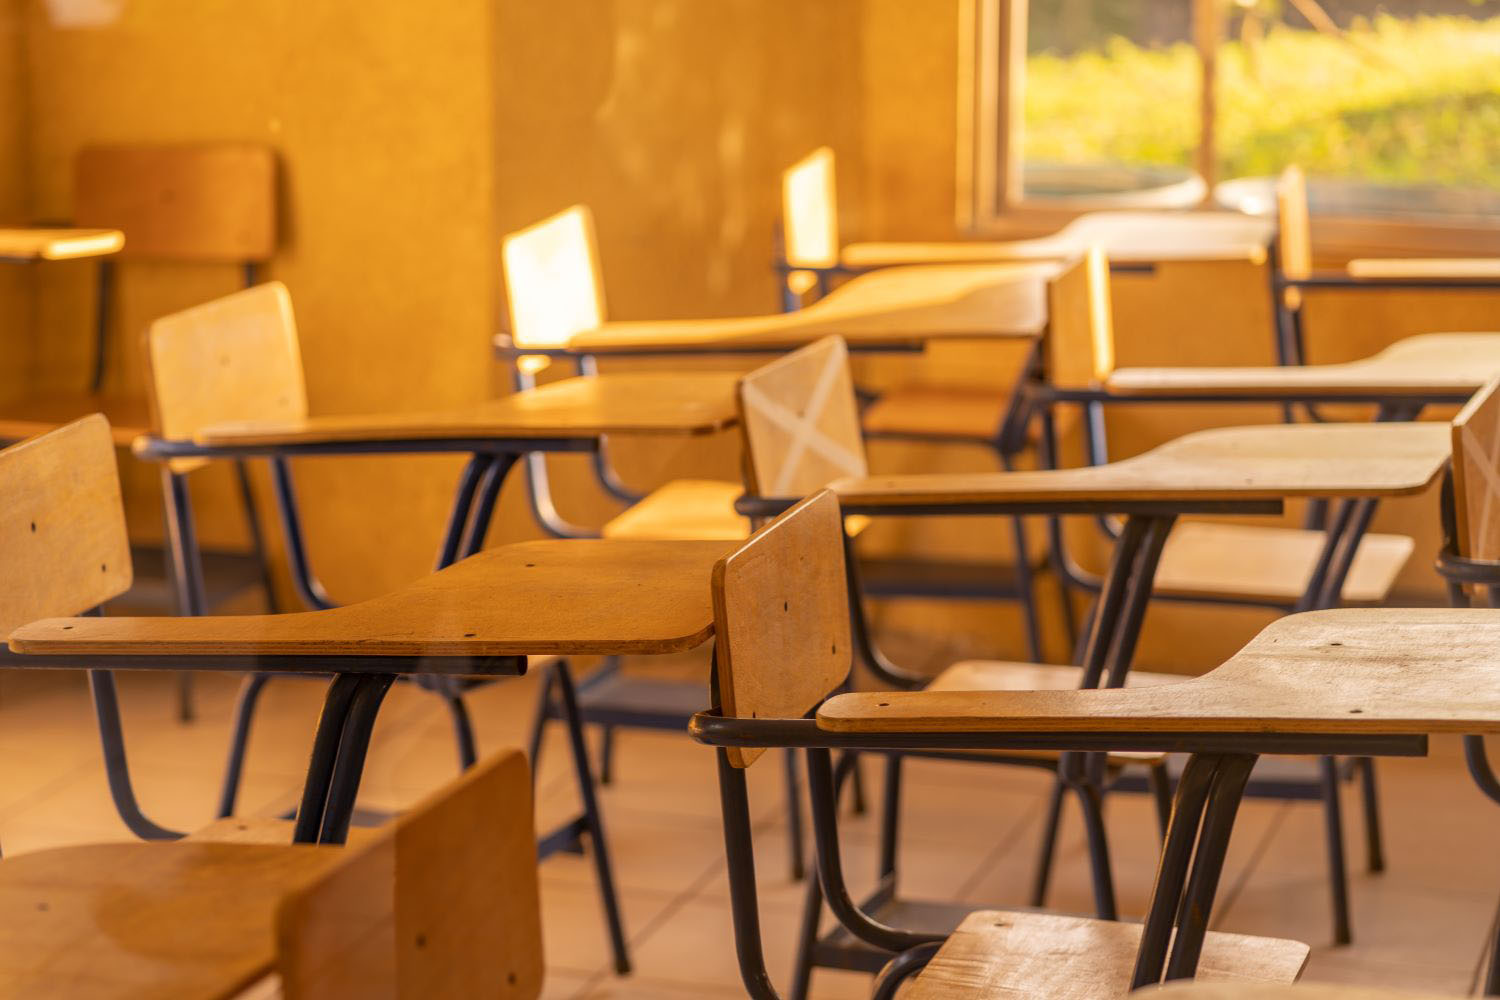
(411, 137)
(15, 299)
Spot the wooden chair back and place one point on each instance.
(210, 203)
(800, 421)
(781, 617)
(552, 282)
(445, 905)
(1293, 230)
(809, 211)
(1080, 350)
(1476, 474)
(236, 358)
(63, 548)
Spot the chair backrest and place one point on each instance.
(62, 526)
(1080, 350)
(552, 281)
(444, 905)
(232, 359)
(1294, 227)
(800, 422)
(1476, 474)
(211, 203)
(809, 211)
(781, 617)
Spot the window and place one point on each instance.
(1391, 106)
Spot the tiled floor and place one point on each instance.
(969, 833)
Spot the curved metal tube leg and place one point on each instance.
(1208, 864)
(796, 840)
(539, 722)
(1338, 872)
(484, 506)
(1047, 849)
(463, 503)
(1370, 797)
(1161, 792)
(901, 968)
(239, 741)
(607, 755)
(857, 804)
(325, 748)
(1092, 802)
(350, 766)
(116, 768)
(257, 537)
(1026, 590)
(563, 677)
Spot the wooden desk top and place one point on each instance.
(1378, 670)
(584, 407)
(590, 596)
(1266, 462)
(1430, 364)
(59, 244)
(112, 920)
(1125, 237)
(894, 306)
(1436, 269)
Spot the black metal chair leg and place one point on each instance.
(350, 765)
(105, 276)
(239, 741)
(1374, 841)
(563, 677)
(539, 721)
(1492, 969)
(1338, 877)
(325, 749)
(1092, 803)
(116, 768)
(257, 537)
(1047, 849)
(807, 940)
(890, 815)
(187, 708)
(463, 728)
(857, 803)
(607, 755)
(796, 841)
(1026, 591)
(1161, 791)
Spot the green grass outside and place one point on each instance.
(1411, 101)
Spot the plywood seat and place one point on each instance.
(1022, 955)
(1271, 564)
(684, 509)
(29, 416)
(961, 412)
(1008, 675)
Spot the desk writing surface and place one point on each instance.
(576, 596)
(1266, 462)
(581, 407)
(1184, 990)
(1478, 269)
(58, 244)
(1429, 364)
(1376, 670)
(899, 305)
(189, 921)
(1125, 237)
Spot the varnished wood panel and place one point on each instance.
(801, 421)
(1476, 474)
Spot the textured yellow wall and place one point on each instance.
(411, 137)
(15, 297)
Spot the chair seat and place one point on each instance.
(1272, 564)
(998, 953)
(26, 417)
(958, 412)
(683, 509)
(1007, 675)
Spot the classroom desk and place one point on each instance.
(1140, 238)
(112, 920)
(572, 415)
(57, 243)
(1372, 682)
(480, 617)
(1224, 470)
(894, 309)
(1430, 368)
